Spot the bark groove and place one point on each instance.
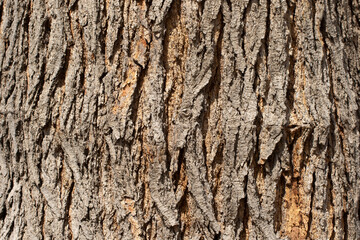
(179, 119)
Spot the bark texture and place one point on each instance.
(169, 119)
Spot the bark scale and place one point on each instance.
(169, 119)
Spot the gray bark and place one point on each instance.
(169, 119)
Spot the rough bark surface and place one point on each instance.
(169, 119)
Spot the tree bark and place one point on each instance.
(169, 119)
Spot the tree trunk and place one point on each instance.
(169, 119)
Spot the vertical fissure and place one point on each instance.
(1, 12)
(330, 152)
(67, 216)
(345, 215)
(216, 175)
(292, 52)
(137, 93)
(332, 96)
(245, 214)
(212, 89)
(266, 44)
(172, 23)
(42, 221)
(308, 232)
(330, 200)
(280, 193)
(181, 167)
(139, 57)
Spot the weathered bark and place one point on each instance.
(169, 119)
